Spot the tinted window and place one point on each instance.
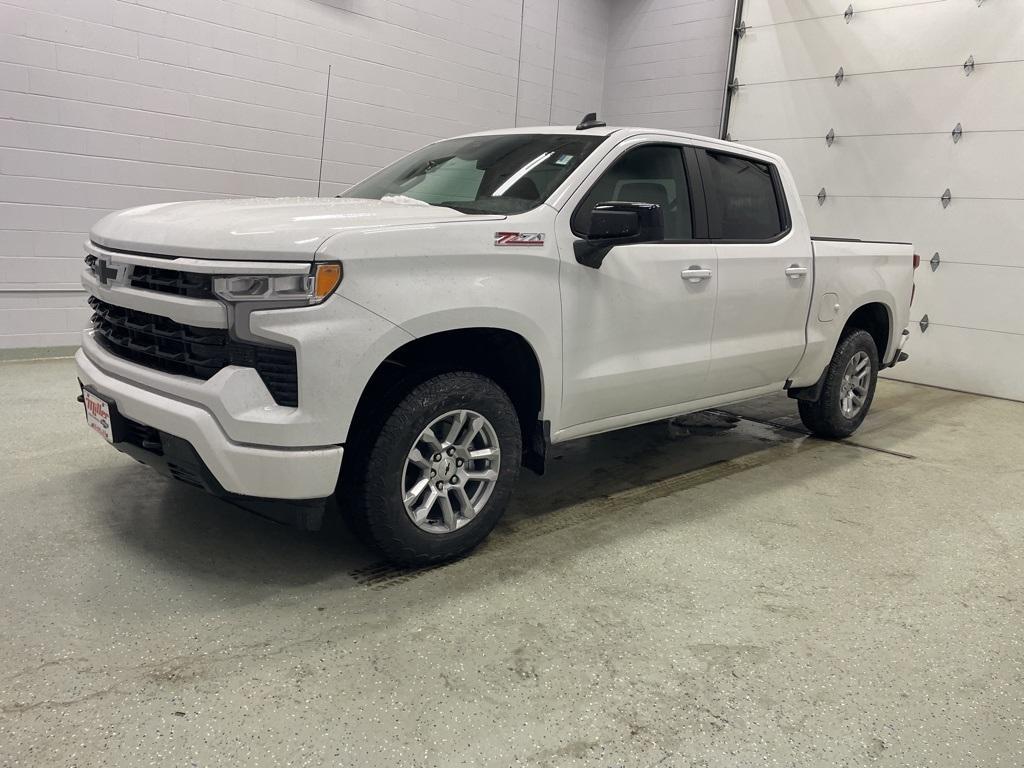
(506, 173)
(651, 174)
(741, 199)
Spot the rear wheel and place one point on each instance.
(439, 473)
(848, 390)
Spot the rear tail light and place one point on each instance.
(917, 260)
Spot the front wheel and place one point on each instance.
(440, 472)
(849, 388)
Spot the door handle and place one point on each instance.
(695, 274)
(795, 270)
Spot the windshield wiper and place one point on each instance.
(461, 207)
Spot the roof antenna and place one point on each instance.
(590, 121)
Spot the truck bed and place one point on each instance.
(848, 274)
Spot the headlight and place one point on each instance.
(313, 288)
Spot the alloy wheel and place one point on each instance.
(450, 471)
(853, 390)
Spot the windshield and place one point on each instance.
(504, 174)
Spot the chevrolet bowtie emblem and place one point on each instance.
(104, 273)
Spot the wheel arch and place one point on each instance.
(503, 355)
(875, 317)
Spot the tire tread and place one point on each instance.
(823, 417)
(367, 495)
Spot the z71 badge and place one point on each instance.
(519, 238)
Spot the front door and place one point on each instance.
(637, 330)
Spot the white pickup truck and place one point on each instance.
(405, 347)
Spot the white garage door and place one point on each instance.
(904, 90)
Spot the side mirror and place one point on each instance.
(616, 223)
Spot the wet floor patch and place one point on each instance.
(755, 445)
(801, 430)
(605, 475)
(629, 498)
(602, 476)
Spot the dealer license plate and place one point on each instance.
(97, 415)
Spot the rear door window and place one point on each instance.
(742, 197)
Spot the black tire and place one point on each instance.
(825, 417)
(372, 493)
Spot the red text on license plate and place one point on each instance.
(97, 415)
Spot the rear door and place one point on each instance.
(765, 278)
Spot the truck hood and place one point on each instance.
(258, 229)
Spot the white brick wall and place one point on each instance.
(106, 104)
(581, 40)
(666, 63)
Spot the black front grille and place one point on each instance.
(162, 344)
(189, 284)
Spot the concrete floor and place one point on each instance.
(714, 592)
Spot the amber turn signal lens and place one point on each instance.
(327, 278)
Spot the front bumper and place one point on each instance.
(228, 468)
(178, 460)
